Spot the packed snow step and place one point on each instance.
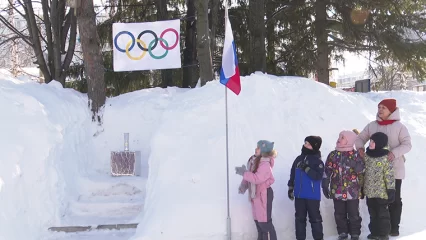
(106, 200)
(123, 234)
(89, 228)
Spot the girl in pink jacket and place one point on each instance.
(258, 180)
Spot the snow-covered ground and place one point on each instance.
(54, 172)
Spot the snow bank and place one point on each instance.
(40, 132)
(186, 191)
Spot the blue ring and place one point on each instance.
(131, 36)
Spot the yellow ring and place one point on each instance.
(130, 56)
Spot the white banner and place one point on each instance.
(146, 46)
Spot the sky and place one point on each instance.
(353, 63)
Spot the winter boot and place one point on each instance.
(383, 238)
(370, 236)
(354, 237)
(343, 236)
(394, 233)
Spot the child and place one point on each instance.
(379, 186)
(305, 187)
(344, 170)
(258, 181)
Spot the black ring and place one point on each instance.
(153, 34)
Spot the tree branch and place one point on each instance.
(71, 43)
(337, 42)
(55, 31)
(49, 37)
(32, 25)
(13, 29)
(65, 29)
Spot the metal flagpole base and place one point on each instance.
(228, 228)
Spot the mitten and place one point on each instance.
(240, 170)
(242, 189)
(290, 193)
(391, 195)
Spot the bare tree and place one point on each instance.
(389, 76)
(203, 42)
(47, 35)
(93, 60)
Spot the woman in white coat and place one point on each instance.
(388, 122)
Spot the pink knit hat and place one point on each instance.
(346, 141)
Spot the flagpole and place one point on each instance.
(228, 219)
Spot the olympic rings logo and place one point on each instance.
(142, 45)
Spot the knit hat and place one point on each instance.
(315, 142)
(265, 146)
(389, 103)
(350, 137)
(380, 139)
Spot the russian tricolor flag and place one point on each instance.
(229, 73)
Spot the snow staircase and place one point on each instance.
(105, 210)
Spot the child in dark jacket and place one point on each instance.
(379, 186)
(342, 182)
(305, 188)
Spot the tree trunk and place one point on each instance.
(203, 42)
(190, 76)
(162, 14)
(214, 24)
(92, 55)
(257, 35)
(321, 40)
(270, 36)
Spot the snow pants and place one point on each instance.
(346, 214)
(379, 217)
(395, 208)
(266, 230)
(309, 207)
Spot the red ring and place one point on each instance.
(177, 38)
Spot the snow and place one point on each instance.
(55, 172)
(186, 190)
(39, 126)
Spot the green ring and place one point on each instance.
(150, 46)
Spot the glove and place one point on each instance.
(391, 195)
(240, 170)
(303, 166)
(361, 193)
(290, 193)
(326, 192)
(325, 188)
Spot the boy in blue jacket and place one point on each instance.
(304, 187)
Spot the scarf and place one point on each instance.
(251, 186)
(376, 153)
(344, 148)
(307, 151)
(385, 122)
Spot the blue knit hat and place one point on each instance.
(265, 146)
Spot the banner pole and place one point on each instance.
(228, 219)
